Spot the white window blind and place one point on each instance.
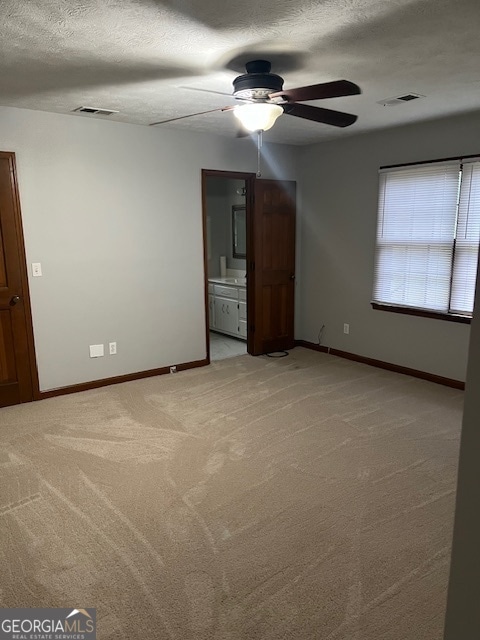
(415, 235)
(467, 240)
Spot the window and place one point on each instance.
(428, 235)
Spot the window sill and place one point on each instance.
(423, 313)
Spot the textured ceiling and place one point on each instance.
(138, 56)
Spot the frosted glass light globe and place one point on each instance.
(258, 116)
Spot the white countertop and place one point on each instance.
(228, 280)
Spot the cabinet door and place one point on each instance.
(231, 317)
(242, 327)
(226, 315)
(211, 311)
(242, 319)
(219, 308)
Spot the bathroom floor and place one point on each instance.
(223, 346)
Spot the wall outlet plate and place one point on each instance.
(96, 351)
(112, 348)
(346, 328)
(36, 269)
(173, 369)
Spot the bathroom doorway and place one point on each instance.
(266, 305)
(226, 198)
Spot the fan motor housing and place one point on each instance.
(258, 83)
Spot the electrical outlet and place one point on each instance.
(346, 328)
(36, 269)
(173, 369)
(96, 350)
(112, 348)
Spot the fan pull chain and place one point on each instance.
(259, 146)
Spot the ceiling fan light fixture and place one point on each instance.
(259, 116)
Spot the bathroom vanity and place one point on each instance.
(227, 302)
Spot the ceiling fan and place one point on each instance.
(265, 100)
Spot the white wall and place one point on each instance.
(339, 185)
(113, 213)
(218, 221)
(221, 195)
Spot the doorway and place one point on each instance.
(226, 211)
(269, 285)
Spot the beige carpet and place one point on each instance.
(302, 498)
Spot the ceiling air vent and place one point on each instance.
(94, 111)
(392, 102)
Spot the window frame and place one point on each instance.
(418, 311)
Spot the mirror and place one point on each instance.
(239, 231)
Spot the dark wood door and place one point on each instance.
(271, 267)
(15, 323)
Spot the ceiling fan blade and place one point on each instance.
(190, 115)
(218, 93)
(334, 89)
(317, 114)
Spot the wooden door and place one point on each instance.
(16, 341)
(271, 267)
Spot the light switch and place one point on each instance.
(36, 269)
(96, 350)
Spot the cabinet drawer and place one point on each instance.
(242, 294)
(242, 310)
(226, 292)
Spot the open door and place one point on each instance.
(17, 375)
(271, 267)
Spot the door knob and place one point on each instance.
(14, 300)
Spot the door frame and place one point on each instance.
(249, 179)
(10, 155)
